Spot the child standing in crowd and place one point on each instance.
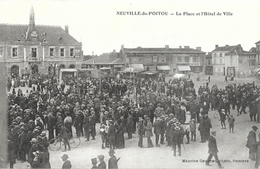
(193, 130)
(231, 121)
(103, 135)
(223, 118)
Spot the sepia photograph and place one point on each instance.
(131, 84)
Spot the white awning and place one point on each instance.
(179, 76)
(184, 68)
(256, 70)
(105, 68)
(149, 73)
(129, 70)
(163, 67)
(137, 67)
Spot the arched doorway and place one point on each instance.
(35, 69)
(14, 71)
(72, 66)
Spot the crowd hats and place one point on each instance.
(111, 151)
(94, 160)
(65, 156)
(34, 140)
(140, 119)
(254, 127)
(213, 132)
(101, 157)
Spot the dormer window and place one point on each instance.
(60, 38)
(44, 41)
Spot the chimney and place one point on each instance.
(186, 47)
(226, 46)
(122, 46)
(67, 29)
(198, 48)
(167, 46)
(216, 46)
(180, 47)
(114, 51)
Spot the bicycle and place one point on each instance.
(56, 143)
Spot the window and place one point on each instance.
(195, 59)
(240, 60)
(179, 59)
(72, 52)
(220, 61)
(1, 51)
(34, 52)
(208, 62)
(186, 58)
(14, 51)
(220, 55)
(51, 51)
(62, 52)
(215, 61)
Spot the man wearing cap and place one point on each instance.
(102, 164)
(112, 162)
(129, 125)
(67, 163)
(213, 149)
(251, 143)
(23, 145)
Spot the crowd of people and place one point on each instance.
(172, 111)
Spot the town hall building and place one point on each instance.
(32, 49)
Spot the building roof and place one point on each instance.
(53, 35)
(257, 42)
(105, 58)
(226, 48)
(140, 50)
(209, 55)
(239, 51)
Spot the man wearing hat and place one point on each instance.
(94, 163)
(213, 149)
(129, 125)
(111, 134)
(67, 163)
(177, 139)
(112, 162)
(140, 132)
(251, 143)
(102, 164)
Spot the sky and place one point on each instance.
(102, 27)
